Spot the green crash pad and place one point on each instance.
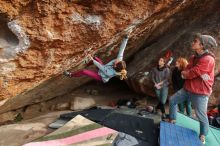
(213, 137)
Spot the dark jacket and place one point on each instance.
(158, 75)
(177, 80)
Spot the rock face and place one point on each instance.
(41, 39)
(177, 41)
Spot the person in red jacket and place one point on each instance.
(199, 78)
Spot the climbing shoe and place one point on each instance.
(67, 73)
(164, 116)
(202, 138)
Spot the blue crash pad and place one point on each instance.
(213, 137)
(174, 135)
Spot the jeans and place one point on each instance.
(200, 103)
(186, 104)
(162, 97)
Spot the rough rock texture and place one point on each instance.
(178, 40)
(80, 98)
(54, 35)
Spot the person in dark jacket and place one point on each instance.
(178, 83)
(160, 76)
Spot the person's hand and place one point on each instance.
(157, 86)
(129, 32)
(170, 61)
(90, 56)
(161, 83)
(88, 51)
(205, 77)
(183, 74)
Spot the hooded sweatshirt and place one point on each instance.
(200, 65)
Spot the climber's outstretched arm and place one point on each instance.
(122, 49)
(97, 64)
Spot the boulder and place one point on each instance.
(80, 103)
(41, 39)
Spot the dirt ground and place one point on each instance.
(18, 133)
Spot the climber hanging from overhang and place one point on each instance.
(116, 67)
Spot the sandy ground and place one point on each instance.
(16, 134)
(19, 133)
